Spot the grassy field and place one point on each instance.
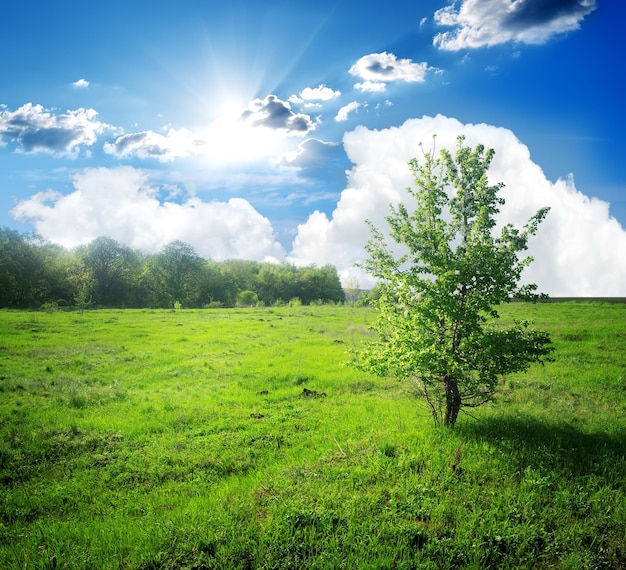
(238, 439)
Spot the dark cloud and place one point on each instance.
(319, 159)
(148, 144)
(479, 23)
(125, 142)
(276, 114)
(35, 129)
(386, 67)
(52, 139)
(129, 143)
(379, 69)
(527, 13)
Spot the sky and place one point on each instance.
(271, 131)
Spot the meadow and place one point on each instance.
(238, 438)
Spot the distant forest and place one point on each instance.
(104, 273)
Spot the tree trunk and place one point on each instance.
(453, 400)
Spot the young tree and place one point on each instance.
(352, 290)
(437, 320)
(247, 298)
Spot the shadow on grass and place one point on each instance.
(540, 444)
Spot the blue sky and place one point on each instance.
(241, 126)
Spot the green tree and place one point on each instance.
(331, 284)
(277, 283)
(16, 261)
(174, 275)
(437, 321)
(83, 284)
(54, 262)
(215, 287)
(241, 273)
(114, 270)
(320, 284)
(27, 270)
(247, 298)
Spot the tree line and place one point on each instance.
(105, 273)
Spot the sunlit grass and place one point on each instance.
(237, 439)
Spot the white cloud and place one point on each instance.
(35, 129)
(320, 93)
(120, 203)
(148, 144)
(481, 23)
(81, 84)
(258, 133)
(371, 86)
(385, 67)
(578, 251)
(342, 114)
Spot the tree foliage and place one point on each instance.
(113, 270)
(106, 273)
(174, 276)
(438, 322)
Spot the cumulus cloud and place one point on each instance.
(274, 113)
(32, 128)
(320, 93)
(342, 114)
(479, 23)
(578, 250)
(81, 84)
(148, 144)
(385, 67)
(120, 203)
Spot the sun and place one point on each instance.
(229, 139)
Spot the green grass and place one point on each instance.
(162, 439)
